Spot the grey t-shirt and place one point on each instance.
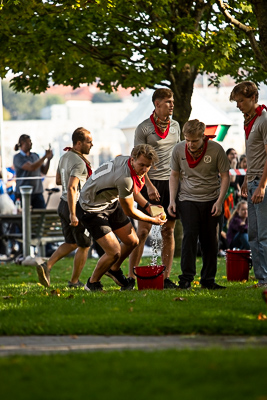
(255, 147)
(145, 134)
(70, 164)
(107, 183)
(19, 160)
(201, 183)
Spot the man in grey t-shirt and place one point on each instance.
(254, 187)
(73, 170)
(106, 201)
(197, 163)
(162, 133)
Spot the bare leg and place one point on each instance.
(168, 245)
(129, 241)
(135, 257)
(115, 253)
(111, 246)
(78, 263)
(63, 250)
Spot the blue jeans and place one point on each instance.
(257, 232)
(240, 241)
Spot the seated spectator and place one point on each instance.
(233, 159)
(242, 164)
(237, 234)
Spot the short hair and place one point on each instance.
(194, 126)
(145, 150)
(22, 139)
(247, 89)
(79, 135)
(161, 94)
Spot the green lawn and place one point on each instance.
(187, 375)
(26, 308)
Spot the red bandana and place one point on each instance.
(137, 181)
(194, 162)
(87, 164)
(162, 134)
(248, 124)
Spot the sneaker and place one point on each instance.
(168, 284)
(184, 285)
(117, 277)
(43, 274)
(93, 287)
(130, 285)
(213, 286)
(75, 285)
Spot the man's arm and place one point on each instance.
(217, 206)
(173, 185)
(72, 194)
(132, 212)
(152, 191)
(28, 166)
(259, 193)
(58, 178)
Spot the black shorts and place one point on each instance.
(164, 191)
(72, 234)
(101, 223)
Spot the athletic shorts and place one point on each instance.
(72, 234)
(164, 191)
(99, 224)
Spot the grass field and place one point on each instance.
(200, 374)
(27, 308)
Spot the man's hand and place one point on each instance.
(216, 209)
(244, 189)
(73, 220)
(49, 154)
(258, 195)
(160, 219)
(153, 193)
(172, 209)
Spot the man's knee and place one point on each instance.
(142, 235)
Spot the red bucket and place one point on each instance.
(238, 264)
(150, 277)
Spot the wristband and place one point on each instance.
(146, 205)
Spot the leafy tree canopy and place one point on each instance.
(133, 43)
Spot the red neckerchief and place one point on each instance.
(159, 132)
(138, 182)
(194, 162)
(249, 122)
(87, 163)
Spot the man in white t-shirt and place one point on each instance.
(106, 201)
(197, 163)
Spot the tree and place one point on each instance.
(133, 43)
(235, 16)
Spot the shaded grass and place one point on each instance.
(27, 308)
(171, 374)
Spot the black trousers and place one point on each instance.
(198, 224)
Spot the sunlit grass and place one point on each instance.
(28, 308)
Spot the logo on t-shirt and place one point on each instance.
(172, 130)
(207, 159)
